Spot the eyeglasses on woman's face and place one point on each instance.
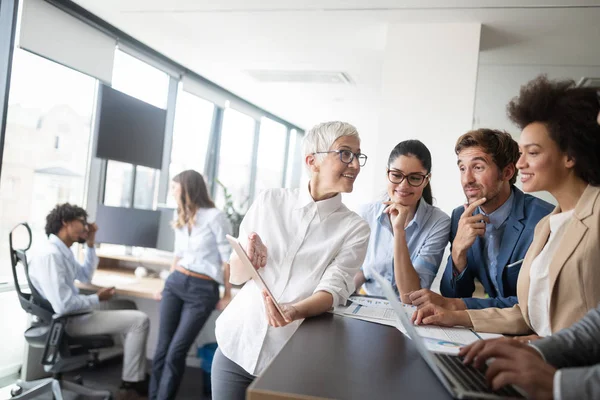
(346, 156)
(414, 180)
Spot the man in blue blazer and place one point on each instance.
(490, 234)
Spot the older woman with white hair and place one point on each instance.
(308, 247)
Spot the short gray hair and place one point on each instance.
(322, 136)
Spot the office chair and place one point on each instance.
(62, 353)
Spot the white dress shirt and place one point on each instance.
(311, 246)
(539, 289)
(205, 248)
(53, 270)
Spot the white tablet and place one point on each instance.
(250, 268)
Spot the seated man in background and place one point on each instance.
(563, 366)
(53, 270)
(491, 234)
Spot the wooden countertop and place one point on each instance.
(125, 283)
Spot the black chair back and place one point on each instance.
(33, 303)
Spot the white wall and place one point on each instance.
(428, 93)
(498, 84)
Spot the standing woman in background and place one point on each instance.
(408, 234)
(191, 292)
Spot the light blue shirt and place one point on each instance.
(493, 237)
(426, 237)
(53, 270)
(205, 248)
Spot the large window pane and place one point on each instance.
(235, 158)
(146, 188)
(271, 155)
(191, 132)
(295, 163)
(140, 80)
(119, 178)
(47, 144)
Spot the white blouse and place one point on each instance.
(312, 246)
(204, 248)
(539, 289)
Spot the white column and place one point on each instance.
(428, 93)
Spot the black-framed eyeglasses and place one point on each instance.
(83, 221)
(414, 180)
(346, 156)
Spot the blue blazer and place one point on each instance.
(526, 211)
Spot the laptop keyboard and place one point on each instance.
(471, 378)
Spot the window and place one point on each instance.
(191, 132)
(119, 178)
(146, 188)
(47, 101)
(271, 155)
(295, 162)
(235, 158)
(142, 81)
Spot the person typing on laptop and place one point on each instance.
(563, 366)
(308, 247)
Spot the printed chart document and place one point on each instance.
(438, 339)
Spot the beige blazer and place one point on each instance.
(574, 274)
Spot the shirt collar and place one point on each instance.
(498, 216)
(417, 218)
(55, 240)
(324, 207)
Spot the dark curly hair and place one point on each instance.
(62, 213)
(570, 115)
(503, 149)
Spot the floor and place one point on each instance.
(108, 376)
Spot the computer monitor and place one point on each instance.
(127, 226)
(166, 234)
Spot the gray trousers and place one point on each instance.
(132, 324)
(229, 381)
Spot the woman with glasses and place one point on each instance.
(307, 245)
(408, 234)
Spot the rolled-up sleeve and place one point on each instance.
(338, 278)
(429, 257)
(220, 226)
(87, 269)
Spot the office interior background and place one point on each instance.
(240, 81)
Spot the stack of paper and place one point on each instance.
(437, 339)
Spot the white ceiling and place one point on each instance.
(222, 39)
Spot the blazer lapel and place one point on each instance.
(512, 233)
(574, 232)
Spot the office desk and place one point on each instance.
(125, 283)
(343, 358)
(116, 269)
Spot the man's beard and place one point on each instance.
(81, 240)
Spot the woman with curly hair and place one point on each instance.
(560, 277)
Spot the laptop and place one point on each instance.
(462, 381)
